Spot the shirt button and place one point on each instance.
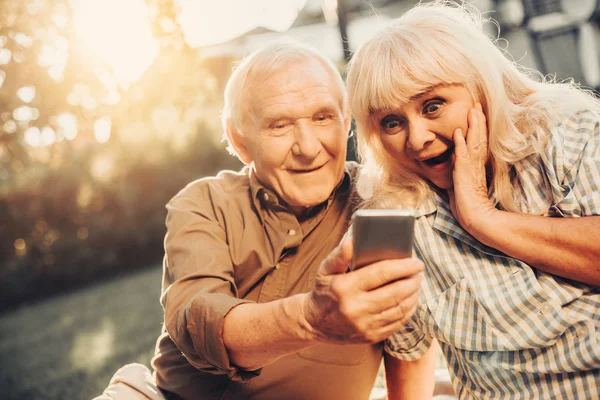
(292, 232)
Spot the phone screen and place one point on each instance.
(381, 235)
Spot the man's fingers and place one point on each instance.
(383, 272)
(338, 260)
(401, 311)
(395, 293)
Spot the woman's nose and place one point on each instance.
(419, 134)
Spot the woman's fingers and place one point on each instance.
(477, 133)
(460, 146)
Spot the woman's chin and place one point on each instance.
(444, 184)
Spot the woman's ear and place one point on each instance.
(236, 141)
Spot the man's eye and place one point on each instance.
(279, 125)
(323, 118)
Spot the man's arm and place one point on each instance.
(363, 306)
(218, 332)
(411, 379)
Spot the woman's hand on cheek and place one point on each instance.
(469, 197)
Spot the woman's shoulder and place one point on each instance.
(578, 125)
(571, 134)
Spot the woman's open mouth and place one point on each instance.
(441, 160)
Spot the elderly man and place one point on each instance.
(257, 300)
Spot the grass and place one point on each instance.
(68, 347)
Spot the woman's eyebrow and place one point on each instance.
(425, 92)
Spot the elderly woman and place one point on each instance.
(499, 164)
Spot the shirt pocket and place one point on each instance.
(512, 314)
(349, 354)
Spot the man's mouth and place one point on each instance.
(441, 159)
(305, 170)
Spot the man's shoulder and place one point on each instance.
(220, 187)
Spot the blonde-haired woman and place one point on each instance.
(498, 164)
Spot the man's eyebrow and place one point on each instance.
(325, 109)
(274, 117)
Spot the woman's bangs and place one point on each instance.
(408, 73)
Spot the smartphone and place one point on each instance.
(381, 235)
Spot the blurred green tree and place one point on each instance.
(87, 162)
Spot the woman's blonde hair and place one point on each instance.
(444, 43)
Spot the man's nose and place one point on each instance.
(307, 141)
(419, 134)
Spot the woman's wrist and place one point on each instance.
(489, 227)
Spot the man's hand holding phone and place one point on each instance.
(367, 304)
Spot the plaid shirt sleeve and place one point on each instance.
(576, 165)
(409, 343)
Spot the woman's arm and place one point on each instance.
(567, 247)
(411, 380)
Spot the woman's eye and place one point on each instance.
(432, 107)
(391, 124)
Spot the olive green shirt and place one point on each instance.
(230, 240)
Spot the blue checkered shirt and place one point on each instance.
(507, 330)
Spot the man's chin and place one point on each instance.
(308, 201)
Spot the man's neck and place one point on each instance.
(303, 213)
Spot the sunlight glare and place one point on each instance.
(68, 125)
(102, 129)
(33, 136)
(48, 136)
(91, 349)
(102, 167)
(211, 22)
(5, 56)
(117, 32)
(26, 93)
(36, 138)
(54, 57)
(10, 127)
(26, 114)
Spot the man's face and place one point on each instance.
(295, 133)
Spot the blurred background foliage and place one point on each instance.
(91, 148)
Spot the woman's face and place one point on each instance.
(418, 134)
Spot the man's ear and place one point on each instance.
(236, 141)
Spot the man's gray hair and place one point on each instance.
(257, 67)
